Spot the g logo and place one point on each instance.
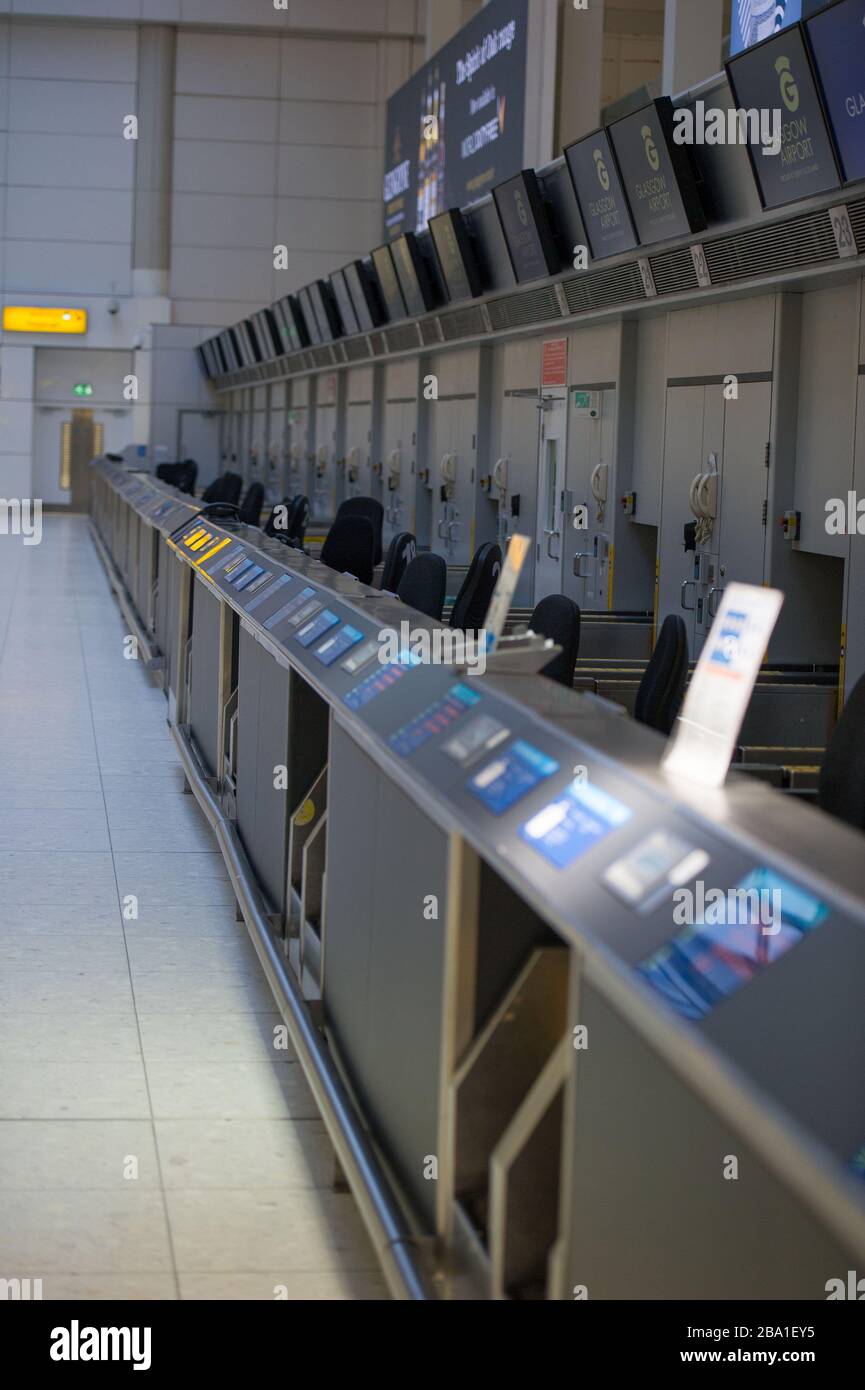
(601, 170)
(789, 90)
(650, 148)
(522, 214)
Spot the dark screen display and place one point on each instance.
(364, 296)
(313, 331)
(343, 302)
(600, 195)
(325, 310)
(656, 174)
(837, 38)
(776, 75)
(412, 274)
(390, 290)
(456, 255)
(524, 222)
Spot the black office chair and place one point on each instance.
(374, 513)
(294, 531)
(180, 475)
(400, 553)
(270, 527)
(226, 488)
(349, 547)
(558, 618)
(841, 788)
(473, 600)
(424, 583)
(662, 688)
(250, 507)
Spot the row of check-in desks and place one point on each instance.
(467, 883)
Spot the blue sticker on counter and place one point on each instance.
(222, 562)
(266, 593)
(572, 824)
(247, 577)
(319, 625)
(511, 776)
(734, 935)
(232, 571)
(288, 608)
(331, 650)
(434, 720)
(380, 680)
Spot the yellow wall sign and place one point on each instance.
(32, 318)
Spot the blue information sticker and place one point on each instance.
(573, 823)
(331, 650)
(317, 627)
(511, 776)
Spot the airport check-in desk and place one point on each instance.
(462, 886)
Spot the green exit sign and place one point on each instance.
(82, 388)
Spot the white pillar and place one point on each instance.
(151, 245)
(581, 68)
(693, 34)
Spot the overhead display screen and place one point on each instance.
(528, 238)
(738, 935)
(291, 324)
(750, 22)
(837, 38)
(364, 296)
(412, 275)
(325, 310)
(456, 255)
(313, 332)
(777, 75)
(390, 290)
(600, 195)
(456, 127)
(656, 174)
(343, 302)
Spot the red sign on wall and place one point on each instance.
(554, 366)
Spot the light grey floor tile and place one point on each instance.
(330, 1285)
(243, 1037)
(65, 991)
(49, 829)
(228, 1090)
(73, 1091)
(41, 1154)
(294, 1230)
(71, 1037)
(244, 1153)
(85, 1231)
(141, 1287)
(82, 879)
(183, 989)
(93, 952)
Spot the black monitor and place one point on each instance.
(600, 196)
(388, 283)
(455, 253)
(324, 305)
(291, 323)
(526, 227)
(837, 39)
(657, 175)
(412, 273)
(343, 302)
(231, 338)
(313, 332)
(776, 75)
(269, 340)
(364, 296)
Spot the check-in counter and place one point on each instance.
(550, 1066)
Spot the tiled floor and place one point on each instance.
(152, 1144)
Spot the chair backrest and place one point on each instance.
(841, 789)
(424, 583)
(226, 488)
(180, 475)
(659, 696)
(558, 618)
(295, 522)
(349, 547)
(400, 553)
(473, 600)
(270, 528)
(374, 513)
(250, 507)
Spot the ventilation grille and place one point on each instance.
(602, 287)
(532, 306)
(429, 332)
(321, 357)
(674, 272)
(402, 338)
(786, 246)
(857, 219)
(376, 342)
(462, 323)
(355, 349)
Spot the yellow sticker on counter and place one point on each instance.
(306, 813)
